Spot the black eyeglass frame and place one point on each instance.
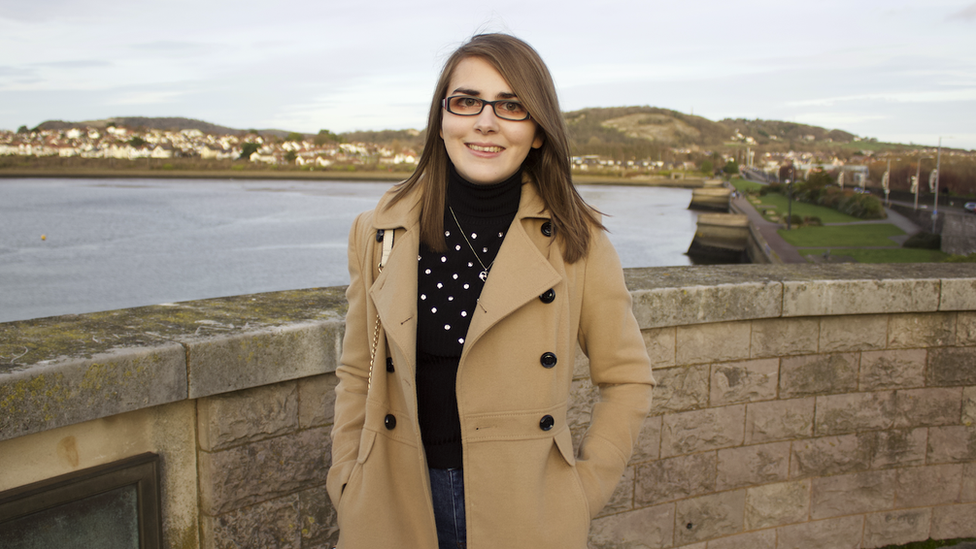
(446, 102)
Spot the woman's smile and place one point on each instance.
(484, 148)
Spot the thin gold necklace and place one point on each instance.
(483, 275)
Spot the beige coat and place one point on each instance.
(525, 486)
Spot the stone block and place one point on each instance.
(953, 521)
(649, 528)
(66, 392)
(779, 420)
(838, 533)
(856, 297)
(892, 369)
(273, 523)
(316, 400)
(966, 328)
(927, 486)
(675, 478)
(896, 527)
(680, 389)
(698, 304)
(853, 333)
(952, 444)
(951, 366)
(246, 416)
(958, 294)
(702, 430)
(582, 396)
(777, 504)
(820, 457)
(969, 406)
(221, 364)
(968, 489)
(622, 498)
(660, 343)
(818, 374)
(864, 492)
(244, 475)
(928, 407)
(839, 414)
(707, 517)
(763, 539)
(778, 337)
(648, 445)
(751, 465)
(708, 343)
(746, 381)
(897, 447)
(318, 519)
(921, 330)
(581, 364)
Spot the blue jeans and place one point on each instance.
(447, 489)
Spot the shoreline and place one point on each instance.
(325, 175)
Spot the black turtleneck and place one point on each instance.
(448, 288)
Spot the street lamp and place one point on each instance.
(918, 174)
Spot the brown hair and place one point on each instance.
(548, 166)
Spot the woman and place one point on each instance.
(458, 434)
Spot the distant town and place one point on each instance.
(618, 146)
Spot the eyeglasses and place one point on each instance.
(465, 105)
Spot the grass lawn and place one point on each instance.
(930, 544)
(887, 255)
(802, 209)
(842, 235)
(743, 185)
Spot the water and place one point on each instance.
(120, 243)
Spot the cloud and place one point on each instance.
(170, 46)
(148, 97)
(79, 64)
(927, 96)
(968, 13)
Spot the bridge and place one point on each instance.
(797, 406)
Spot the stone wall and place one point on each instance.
(797, 406)
(959, 234)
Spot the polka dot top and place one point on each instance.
(448, 288)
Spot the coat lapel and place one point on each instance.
(521, 272)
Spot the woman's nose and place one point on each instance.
(486, 121)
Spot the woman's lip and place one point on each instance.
(485, 148)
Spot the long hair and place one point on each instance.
(548, 166)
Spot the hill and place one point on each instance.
(158, 123)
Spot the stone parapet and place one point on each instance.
(796, 406)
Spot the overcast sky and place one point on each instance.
(902, 71)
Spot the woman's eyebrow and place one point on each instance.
(475, 93)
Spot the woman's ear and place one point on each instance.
(540, 138)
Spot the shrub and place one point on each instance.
(812, 221)
(924, 240)
(958, 258)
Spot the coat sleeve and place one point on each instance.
(353, 369)
(619, 365)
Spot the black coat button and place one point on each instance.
(548, 296)
(546, 422)
(389, 421)
(379, 235)
(389, 364)
(547, 228)
(548, 360)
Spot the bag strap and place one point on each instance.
(387, 236)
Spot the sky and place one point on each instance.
(898, 71)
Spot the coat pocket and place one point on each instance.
(563, 441)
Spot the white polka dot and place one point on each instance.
(501, 235)
(447, 233)
(418, 258)
(440, 285)
(464, 313)
(458, 247)
(466, 286)
(474, 235)
(433, 309)
(427, 271)
(447, 326)
(455, 276)
(423, 297)
(485, 250)
(470, 264)
(443, 259)
(450, 298)
(461, 340)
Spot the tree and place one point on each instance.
(22, 129)
(295, 136)
(137, 142)
(248, 149)
(731, 167)
(290, 156)
(707, 166)
(325, 136)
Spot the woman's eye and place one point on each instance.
(513, 107)
(468, 102)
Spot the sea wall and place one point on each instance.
(797, 406)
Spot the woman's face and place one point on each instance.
(485, 149)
